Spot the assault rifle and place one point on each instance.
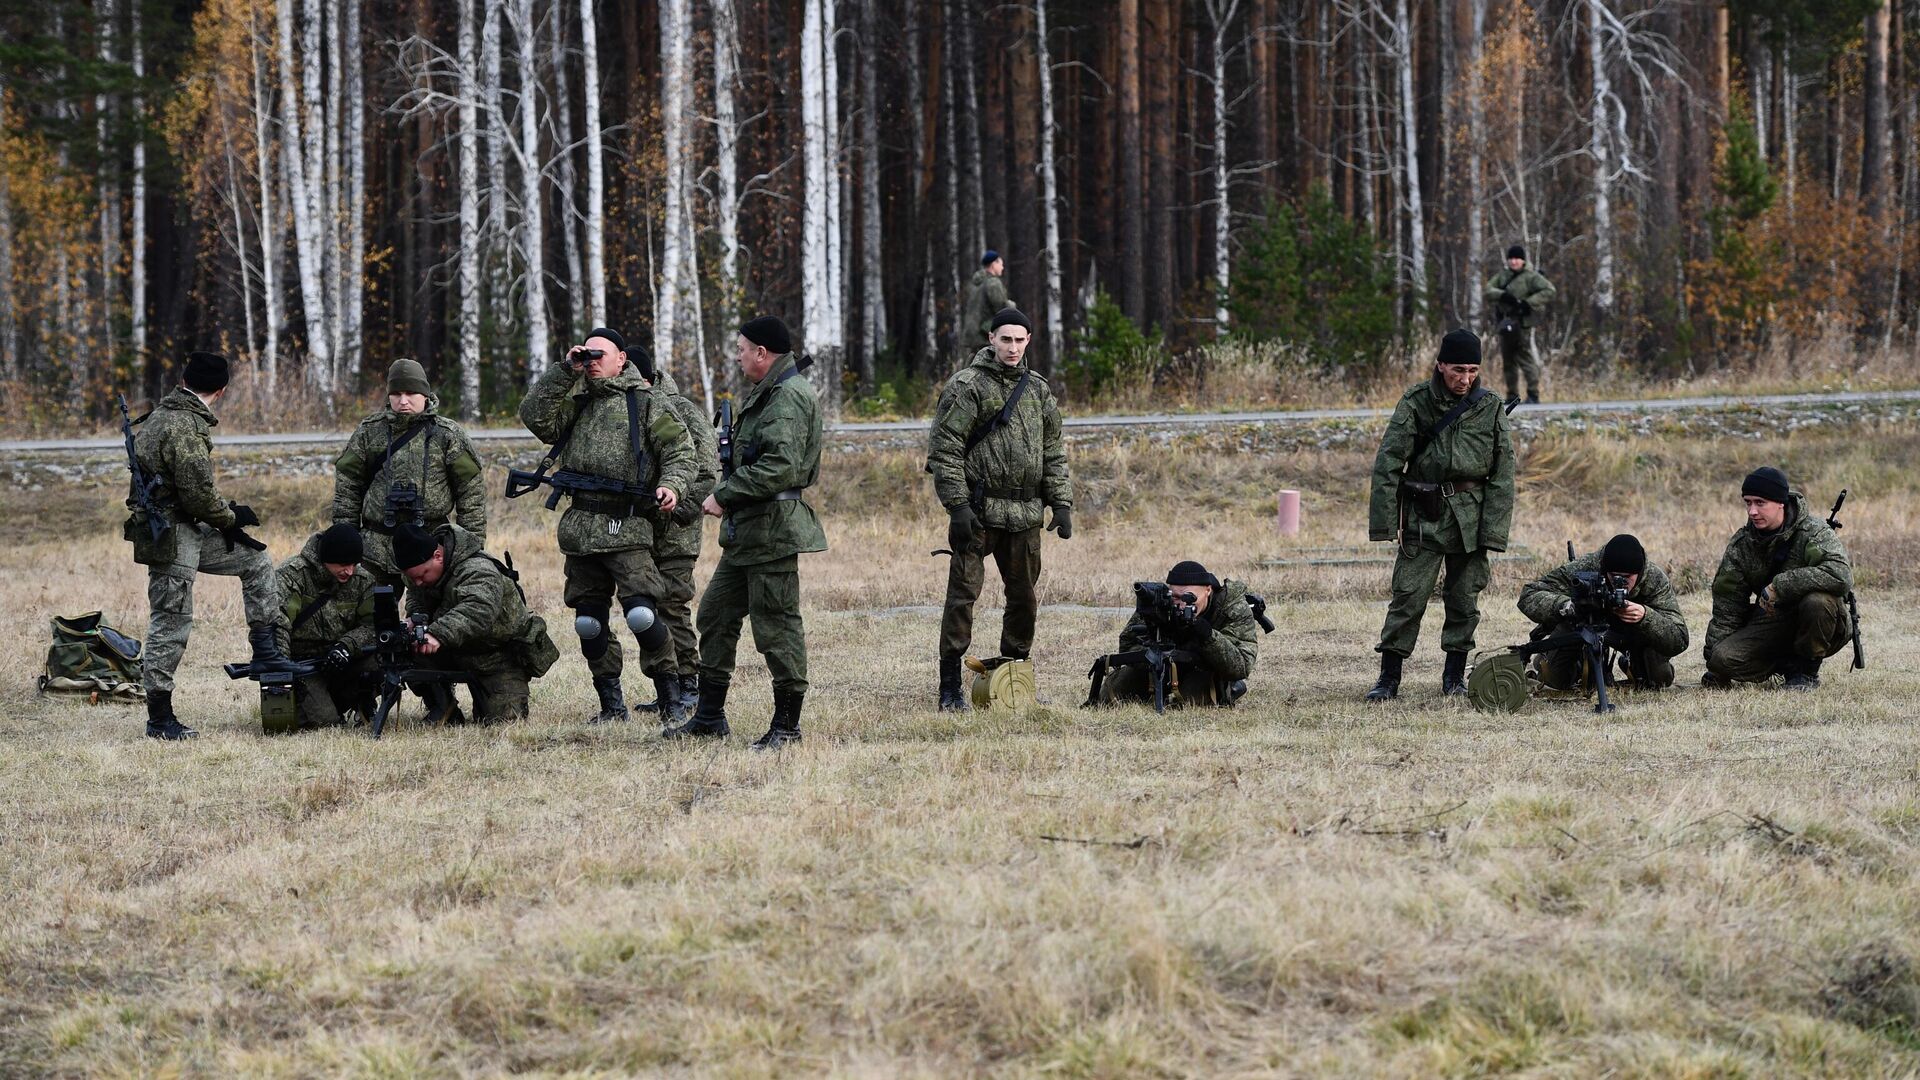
(569, 482)
(1853, 605)
(143, 485)
(394, 642)
(723, 443)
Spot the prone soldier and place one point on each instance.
(1645, 627)
(181, 527)
(1779, 596)
(328, 594)
(1212, 623)
(676, 548)
(472, 618)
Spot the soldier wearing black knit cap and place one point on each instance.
(1648, 631)
(328, 598)
(1213, 624)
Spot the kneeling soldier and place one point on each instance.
(607, 423)
(1648, 630)
(1779, 597)
(329, 608)
(1217, 628)
(474, 617)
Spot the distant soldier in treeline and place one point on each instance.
(1518, 293)
(986, 295)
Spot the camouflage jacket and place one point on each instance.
(1478, 446)
(326, 610)
(986, 295)
(475, 607)
(1802, 556)
(1526, 284)
(1235, 643)
(174, 445)
(1020, 468)
(776, 448)
(1664, 628)
(439, 462)
(601, 445)
(680, 537)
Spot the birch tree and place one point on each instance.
(1221, 13)
(675, 88)
(495, 237)
(108, 193)
(726, 129)
(596, 170)
(823, 321)
(467, 273)
(302, 150)
(270, 245)
(353, 272)
(873, 306)
(1050, 188)
(1410, 151)
(1598, 149)
(533, 283)
(137, 278)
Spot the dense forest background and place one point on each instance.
(319, 186)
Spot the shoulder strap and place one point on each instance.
(507, 569)
(633, 438)
(321, 600)
(1427, 437)
(380, 460)
(1001, 418)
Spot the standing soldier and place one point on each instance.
(1517, 295)
(198, 532)
(986, 295)
(1442, 486)
(329, 610)
(765, 525)
(997, 460)
(407, 463)
(676, 547)
(604, 421)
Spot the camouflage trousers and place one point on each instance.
(602, 586)
(497, 681)
(1017, 556)
(1195, 685)
(767, 593)
(1415, 571)
(1517, 358)
(323, 698)
(1813, 629)
(676, 607)
(199, 549)
(1566, 669)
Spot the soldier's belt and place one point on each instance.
(1019, 494)
(1450, 488)
(615, 507)
(789, 495)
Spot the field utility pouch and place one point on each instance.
(1426, 499)
(89, 657)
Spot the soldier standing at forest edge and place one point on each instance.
(1443, 486)
(407, 463)
(204, 535)
(996, 461)
(603, 419)
(765, 525)
(986, 296)
(676, 547)
(1517, 295)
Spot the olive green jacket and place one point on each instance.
(1664, 628)
(1229, 652)
(1802, 556)
(601, 446)
(986, 296)
(679, 538)
(440, 461)
(1526, 284)
(174, 445)
(1020, 468)
(475, 608)
(1477, 446)
(776, 448)
(344, 609)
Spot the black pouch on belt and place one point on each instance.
(1427, 499)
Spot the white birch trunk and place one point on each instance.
(1789, 99)
(970, 133)
(560, 114)
(108, 190)
(1222, 204)
(330, 218)
(873, 306)
(726, 67)
(1410, 151)
(532, 231)
(674, 87)
(269, 224)
(467, 271)
(821, 326)
(1050, 185)
(137, 282)
(1602, 180)
(838, 197)
(955, 258)
(498, 191)
(301, 148)
(354, 272)
(596, 171)
(1476, 142)
(1365, 90)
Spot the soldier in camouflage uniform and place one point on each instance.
(605, 420)
(1648, 632)
(765, 525)
(407, 463)
(1779, 597)
(1446, 494)
(985, 297)
(204, 535)
(328, 595)
(1517, 294)
(676, 547)
(995, 478)
(1218, 627)
(475, 617)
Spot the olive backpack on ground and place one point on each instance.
(89, 657)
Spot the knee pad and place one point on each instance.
(591, 624)
(644, 621)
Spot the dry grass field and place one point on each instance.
(1702, 885)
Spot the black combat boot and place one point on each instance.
(786, 721)
(709, 720)
(690, 692)
(1388, 687)
(266, 647)
(654, 705)
(1533, 397)
(952, 697)
(1802, 674)
(161, 723)
(1453, 678)
(667, 701)
(613, 705)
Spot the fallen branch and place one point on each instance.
(1136, 842)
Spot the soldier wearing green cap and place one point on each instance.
(407, 462)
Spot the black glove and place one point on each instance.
(1062, 522)
(962, 526)
(1523, 307)
(338, 658)
(233, 534)
(1507, 297)
(243, 515)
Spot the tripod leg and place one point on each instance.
(389, 696)
(1597, 661)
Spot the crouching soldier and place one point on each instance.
(1779, 597)
(1216, 629)
(1647, 631)
(474, 618)
(328, 597)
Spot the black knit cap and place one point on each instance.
(1007, 316)
(989, 257)
(1768, 483)
(1188, 572)
(342, 545)
(1516, 252)
(1459, 347)
(768, 332)
(637, 354)
(1623, 555)
(412, 545)
(206, 372)
(610, 334)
